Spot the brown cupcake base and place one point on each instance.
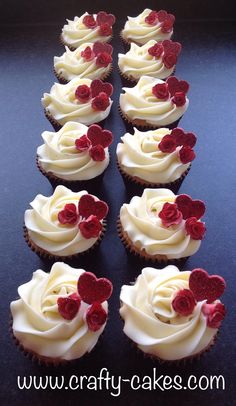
(162, 259)
(64, 81)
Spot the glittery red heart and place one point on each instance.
(170, 46)
(92, 289)
(190, 207)
(175, 85)
(98, 136)
(103, 18)
(99, 47)
(206, 287)
(89, 206)
(97, 86)
(182, 138)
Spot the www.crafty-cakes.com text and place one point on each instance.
(104, 381)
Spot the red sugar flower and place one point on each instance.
(186, 155)
(69, 214)
(184, 302)
(162, 15)
(83, 93)
(152, 18)
(161, 91)
(156, 50)
(89, 21)
(196, 229)
(169, 60)
(215, 314)
(182, 138)
(105, 30)
(170, 214)
(167, 144)
(97, 153)
(87, 54)
(167, 26)
(103, 59)
(91, 227)
(179, 99)
(100, 102)
(82, 143)
(69, 306)
(176, 85)
(96, 316)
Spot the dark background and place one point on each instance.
(28, 41)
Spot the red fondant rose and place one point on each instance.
(96, 316)
(89, 21)
(167, 25)
(169, 60)
(152, 18)
(97, 153)
(156, 50)
(215, 314)
(87, 54)
(167, 144)
(103, 59)
(186, 155)
(162, 15)
(161, 91)
(184, 302)
(196, 229)
(100, 102)
(91, 227)
(179, 99)
(170, 214)
(69, 214)
(83, 93)
(82, 143)
(105, 30)
(69, 306)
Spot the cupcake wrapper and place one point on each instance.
(127, 80)
(64, 81)
(47, 255)
(162, 259)
(62, 42)
(56, 125)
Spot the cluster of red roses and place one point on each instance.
(95, 142)
(165, 19)
(103, 20)
(169, 51)
(98, 92)
(174, 88)
(202, 287)
(184, 208)
(101, 51)
(87, 215)
(178, 138)
(92, 291)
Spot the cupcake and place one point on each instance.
(153, 103)
(149, 25)
(172, 315)
(153, 59)
(65, 224)
(89, 60)
(156, 158)
(81, 100)
(76, 153)
(88, 28)
(162, 226)
(59, 316)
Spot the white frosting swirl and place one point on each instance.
(37, 323)
(59, 156)
(138, 102)
(71, 65)
(140, 220)
(152, 323)
(75, 33)
(138, 62)
(138, 31)
(139, 156)
(63, 106)
(47, 232)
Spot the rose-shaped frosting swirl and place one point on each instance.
(138, 102)
(136, 29)
(37, 323)
(138, 62)
(63, 106)
(47, 232)
(59, 155)
(139, 156)
(71, 65)
(75, 33)
(151, 321)
(140, 220)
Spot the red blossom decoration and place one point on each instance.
(182, 138)
(91, 227)
(98, 136)
(215, 313)
(179, 99)
(186, 154)
(175, 85)
(196, 229)
(167, 144)
(156, 50)
(152, 18)
(184, 302)
(190, 207)
(205, 286)
(88, 206)
(100, 102)
(170, 215)
(92, 289)
(105, 18)
(69, 214)
(99, 47)
(89, 21)
(97, 153)
(169, 59)
(171, 46)
(88, 54)
(98, 86)
(83, 93)
(162, 15)
(69, 306)
(161, 91)
(167, 26)
(82, 143)
(96, 317)
(103, 59)
(105, 30)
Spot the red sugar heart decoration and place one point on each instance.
(175, 85)
(190, 207)
(99, 47)
(206, 287)
(89, 206)
(170, 46)
(103, 18)
(97, 86)
(98, 136)
(92, 289)
(182, 138)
